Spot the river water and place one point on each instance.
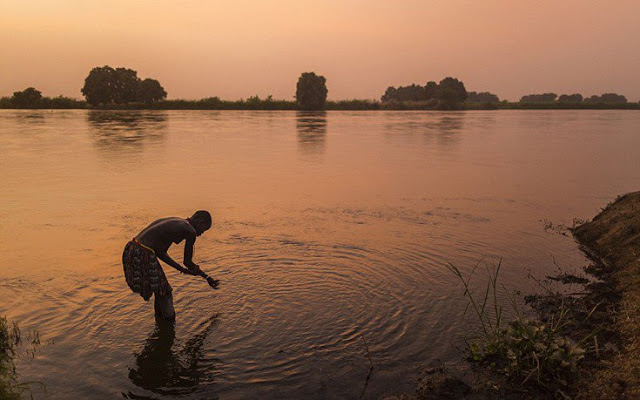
(330, 229)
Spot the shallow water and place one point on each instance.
(328, 228)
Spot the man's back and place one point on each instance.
(160, 234)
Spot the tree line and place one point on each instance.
(576, 98)
(112, 87)
(107, 87)
(447, 94)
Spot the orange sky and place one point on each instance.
(238, 48)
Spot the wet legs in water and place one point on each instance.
(163, 306)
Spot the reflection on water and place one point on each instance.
(126, 130)
(445, 130)
(312, 131)
(32, 117)
(448, 130)
(168, 368)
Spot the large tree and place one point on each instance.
(451, 92)
(311, 91)
(106, 85)
(150, 91)
(125, 85)
(28, 98)
(99, 85)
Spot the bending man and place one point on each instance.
(143, 272)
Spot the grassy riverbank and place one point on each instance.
(584, 342)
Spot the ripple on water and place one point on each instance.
(287, 310)
(307, 300)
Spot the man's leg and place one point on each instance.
(163, 306)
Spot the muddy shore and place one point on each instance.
(613, 240)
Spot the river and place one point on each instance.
(331, 235)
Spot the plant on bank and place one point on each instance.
(10, 340)
(525, 351)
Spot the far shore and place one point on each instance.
(286, 105)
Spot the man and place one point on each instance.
(142, 270)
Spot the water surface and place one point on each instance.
(328, 228)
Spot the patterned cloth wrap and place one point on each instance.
(143, 272)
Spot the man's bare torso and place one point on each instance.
(161, 234)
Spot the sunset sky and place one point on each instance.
(237, 48)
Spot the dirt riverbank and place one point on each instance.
(613, 239)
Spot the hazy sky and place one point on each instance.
(238, 48)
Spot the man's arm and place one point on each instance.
(188, 252)
(168, 260)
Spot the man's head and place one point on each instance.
(201, 221)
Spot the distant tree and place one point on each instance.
(430, 90)
(412, 92)
(451, 92)
(570, 98)
(539, 98)
(125, 86)
(607, 98)
(482, 97)
(106, 85)
(389, 94)
(311, 91)
(5, 102)
(150, 91)
(613, 98)
(28, 98)
(99, 85)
